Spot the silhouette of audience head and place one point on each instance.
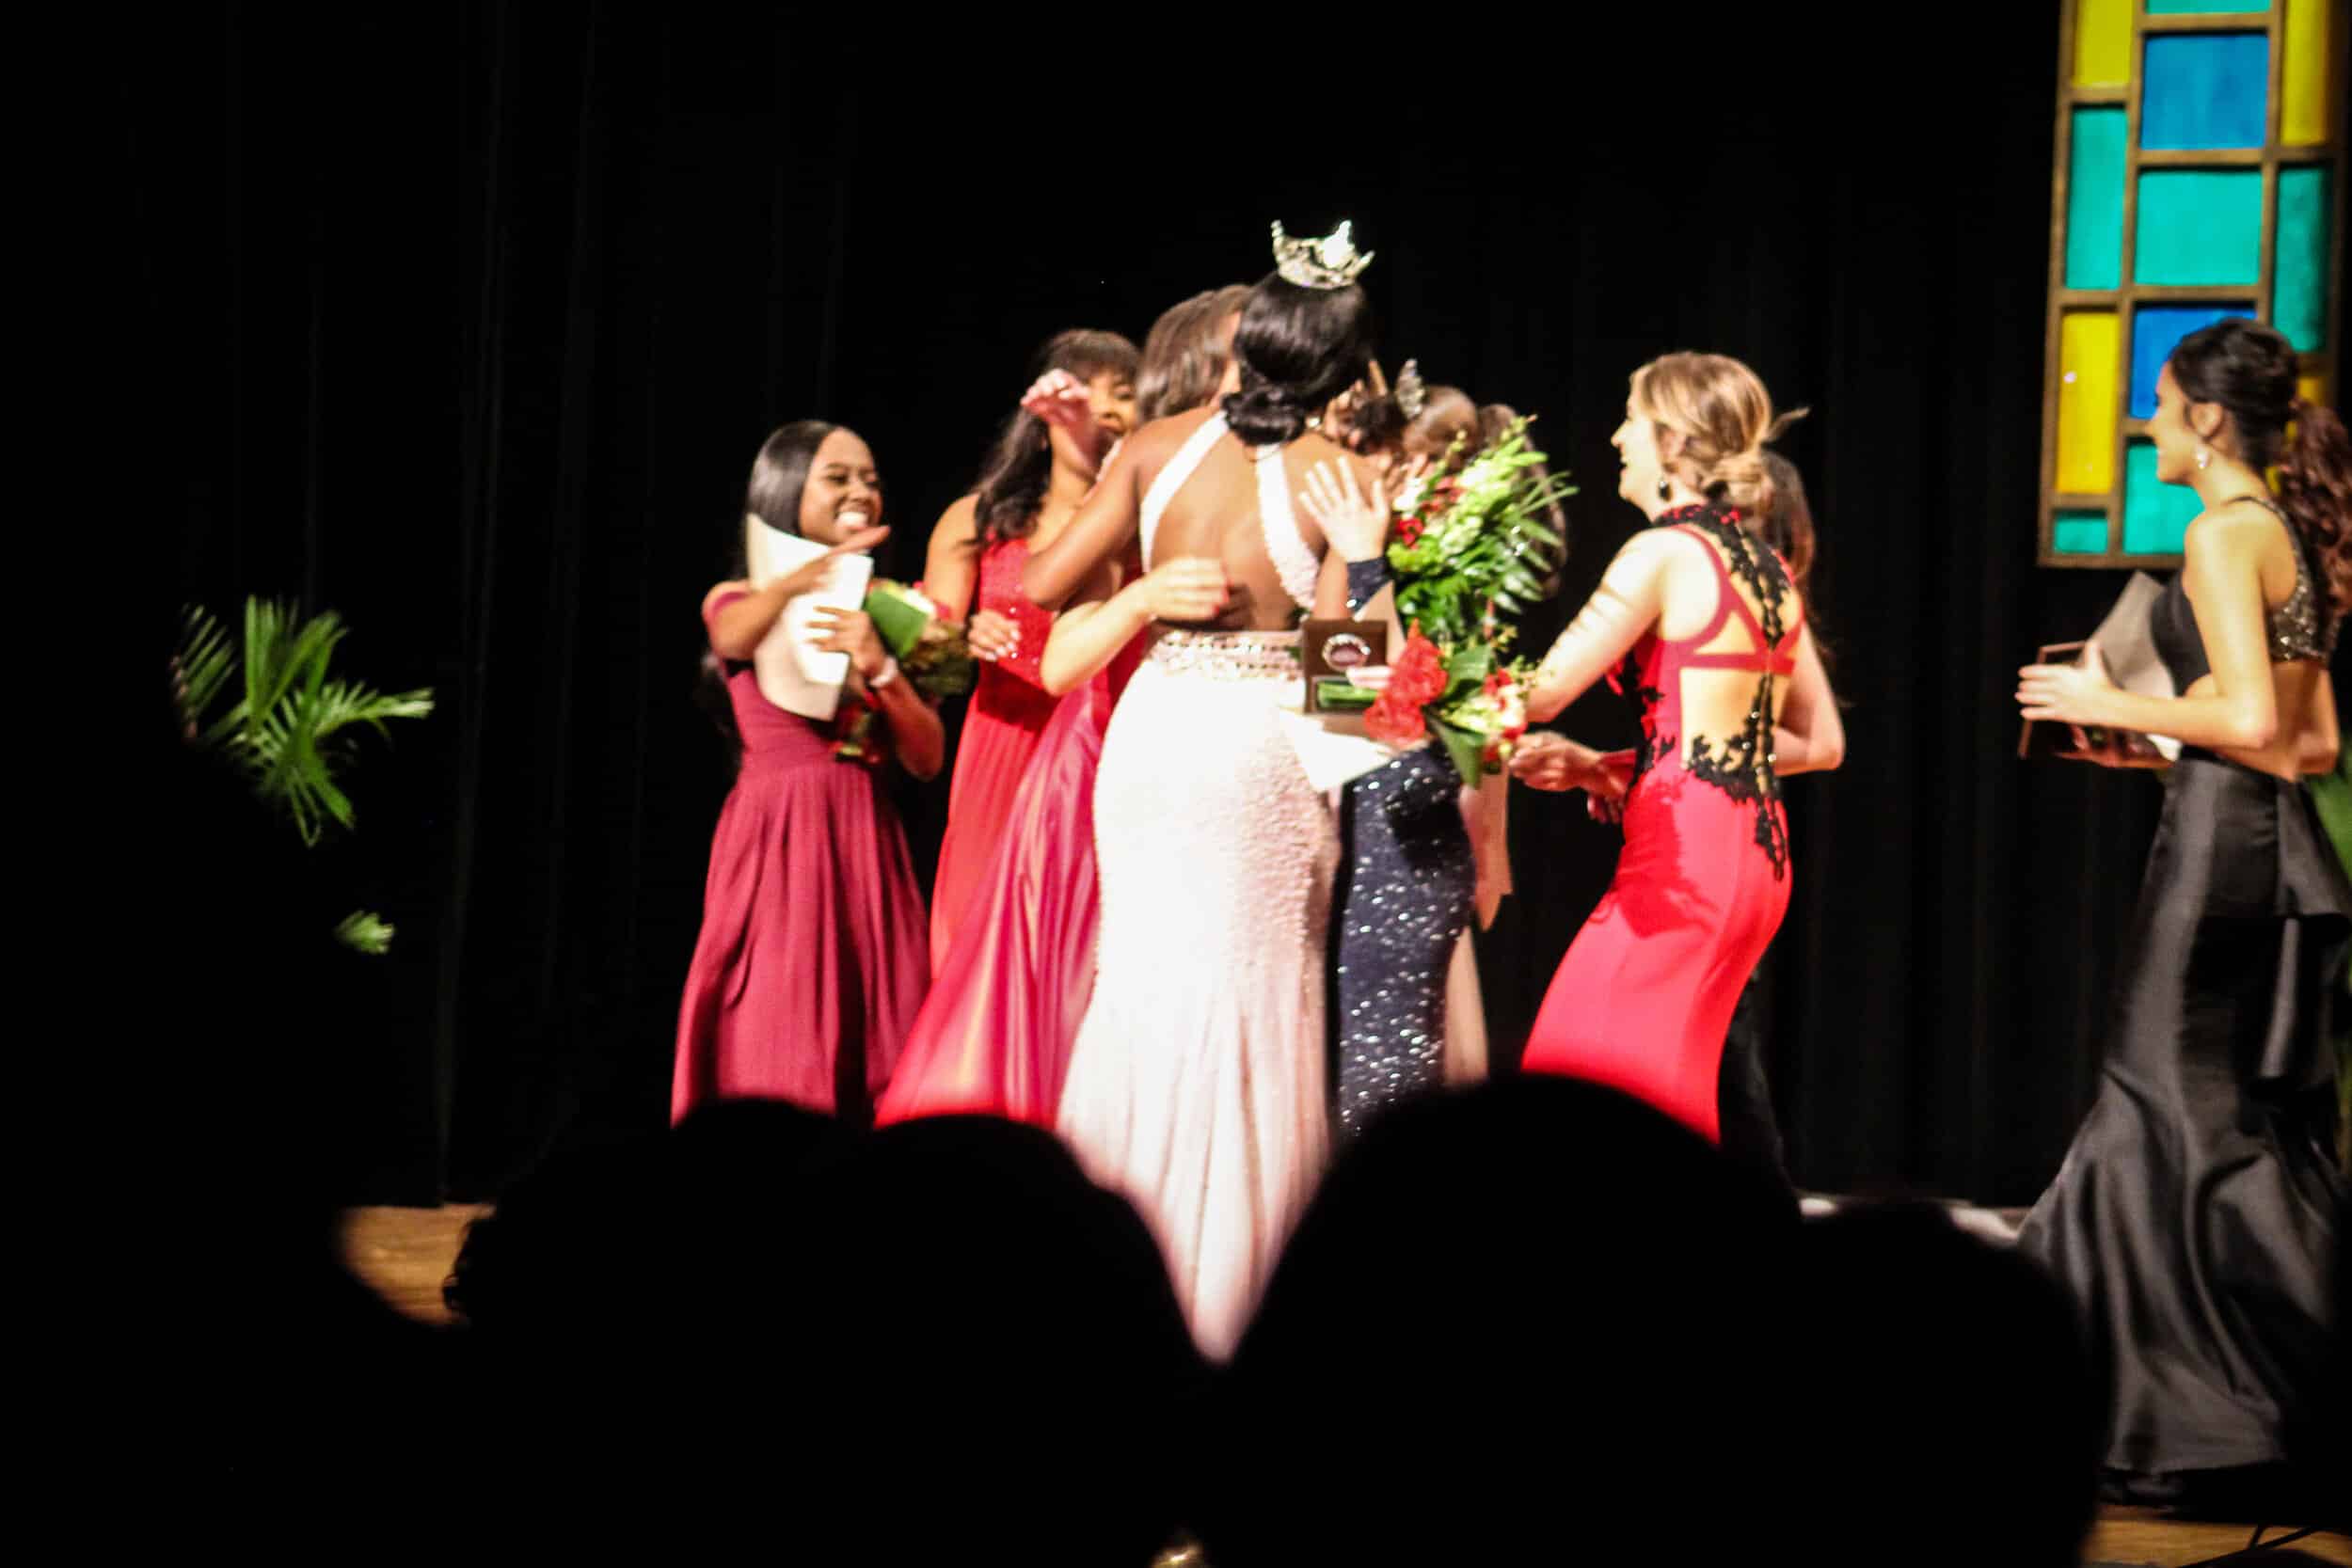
(1943, 1375)
(1532, 1313)
(992, 1346)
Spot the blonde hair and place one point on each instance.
(1725, 416)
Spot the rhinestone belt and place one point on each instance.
(1229, 655)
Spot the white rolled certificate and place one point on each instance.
(793, 673)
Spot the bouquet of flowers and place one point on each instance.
(1472, 547)
(930, 651)
(933, 652)
(1479, 538)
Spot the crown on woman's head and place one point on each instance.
(1412, 395)
(1330, 263)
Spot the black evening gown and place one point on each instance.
(2197, 1216)
(1404, 896)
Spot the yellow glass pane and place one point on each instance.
(2102, 42)
(2307, 78)
(2314, 388)
(2088, 351)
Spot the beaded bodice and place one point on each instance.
(2297, 628)
(1740, 765)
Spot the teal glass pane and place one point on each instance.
(2204, 90)
(2079, 532)
(2202, 8)
(2298, 298)
(2095, 199)
(2155, 329)
(2199, 225)
(2155, 516)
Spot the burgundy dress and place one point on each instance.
(1646, 990)
(810, 965)
(1008, 712)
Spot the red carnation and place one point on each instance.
(1393, 723)
(1417, 675)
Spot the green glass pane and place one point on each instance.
(2298, 301)
(2156, 515)
(2199, 225)
(2079, 532)
(2095, 199)
(2202, 8)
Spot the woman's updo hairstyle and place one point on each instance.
(1725, 416)
(2249, 369)
(1298, 348)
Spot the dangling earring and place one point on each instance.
(1665, 488)
(2204, 457)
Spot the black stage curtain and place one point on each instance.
(470, 318)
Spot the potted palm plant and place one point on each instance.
(265, 701)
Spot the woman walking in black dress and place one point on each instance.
(2197, 1217)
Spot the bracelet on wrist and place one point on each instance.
(879, 679)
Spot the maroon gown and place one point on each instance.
(810, 965)
(1646, 990)
(1010, 711)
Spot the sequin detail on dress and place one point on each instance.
(2296, 628)
(1403, 901)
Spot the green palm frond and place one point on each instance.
(365, 931)
(203, 663)
(282, 728)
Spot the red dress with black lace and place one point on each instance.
(1646, 990)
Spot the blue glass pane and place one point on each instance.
(2079, 532)
(2095, 198)
(2155, 329)
(2199, 225)
(2202, 8)
(2155, 516)
(2204, 90)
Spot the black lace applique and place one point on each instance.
(1741, 767)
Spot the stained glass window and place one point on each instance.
(2199, 174)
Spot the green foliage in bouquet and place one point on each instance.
(265, 702)
(933, 652)
(1480, 540)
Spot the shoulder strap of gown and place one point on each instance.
(1293, 563)
(1171, 478)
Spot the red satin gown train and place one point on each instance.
(1007, 715)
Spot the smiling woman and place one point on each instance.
(808, 969)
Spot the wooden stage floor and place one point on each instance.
(405, 1253)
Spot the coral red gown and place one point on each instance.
(1009, 713)
(1643, 998)
(995, 1033)
(809, 967)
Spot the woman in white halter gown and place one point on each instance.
(1197, 1084)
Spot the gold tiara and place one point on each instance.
(1330, 262)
